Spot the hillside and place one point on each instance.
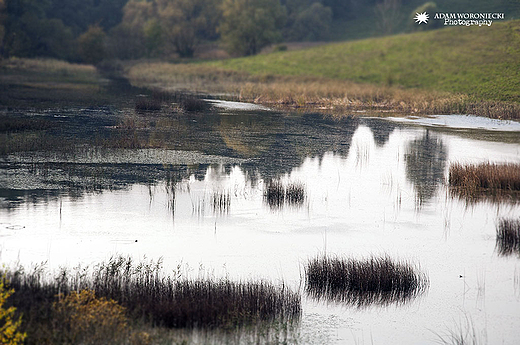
(482, 62)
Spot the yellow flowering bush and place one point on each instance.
(87, 319)
(9, 326)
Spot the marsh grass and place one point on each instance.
(277, 194)
(315, 94)
(475, 182)
(360, 283)
(11, 142)
(147, 104)
(149, 296)
(464, 333)
(56, 68)
(20, 124)
(508, 237)
(190, 103)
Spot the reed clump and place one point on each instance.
(193, 104)
(508, 236)
(147, 104)
(474, 182)
(278, 194)
(146, 296)
(360, 283)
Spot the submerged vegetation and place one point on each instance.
(508, 236)
(360, 283)
(475, 182)
(119, 292)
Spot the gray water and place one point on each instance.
(372, 187)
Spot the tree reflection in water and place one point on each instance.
(425, 164)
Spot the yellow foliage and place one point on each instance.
(9, 326)
(84, 318)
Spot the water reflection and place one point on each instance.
(278, 194)
(425, 164)
(381, 129)
(273, 145)
(508, 237)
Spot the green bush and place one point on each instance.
(91, 45)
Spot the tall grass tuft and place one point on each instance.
(147, 295)
(508, 236)
(277, 194)
(147, 104)
(360, 283)
(193, 104)
(477, 181)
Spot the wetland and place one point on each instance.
(235, 199)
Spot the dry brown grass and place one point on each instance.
(313, 93)
(50, 66)
(475, 182)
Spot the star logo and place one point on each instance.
(421, 18)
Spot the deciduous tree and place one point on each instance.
(249, 25)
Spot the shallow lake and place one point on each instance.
(371, 187)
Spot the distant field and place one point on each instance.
(481, 62)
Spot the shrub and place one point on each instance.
(9, 324)
(83, 318)
(91, 45)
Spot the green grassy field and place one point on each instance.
(481, 62)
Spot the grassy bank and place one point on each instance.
(455, 70)
(45, 83)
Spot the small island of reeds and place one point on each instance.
(485, 181)
(361, 283)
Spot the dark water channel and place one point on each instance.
(192, 190)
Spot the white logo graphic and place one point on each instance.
(421, 18)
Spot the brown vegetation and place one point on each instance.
(119, 292)
(314, 93)
(474, 182)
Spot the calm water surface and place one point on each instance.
(371, 187)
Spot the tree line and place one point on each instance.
(92, 30)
